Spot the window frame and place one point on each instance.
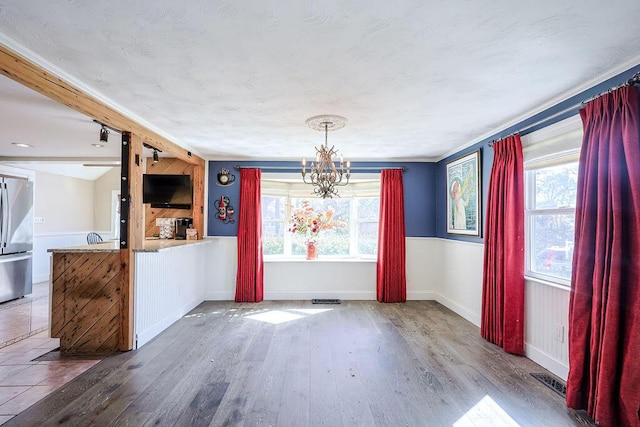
(293, 190)
(556, 144)
(531, 212)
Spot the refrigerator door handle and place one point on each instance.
(7, 213)
(4, 211)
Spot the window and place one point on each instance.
(357, 209)
(274, 224)
(550, 216)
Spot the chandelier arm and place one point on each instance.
(326, 174)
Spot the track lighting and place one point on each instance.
(104, 134)
(155, 156)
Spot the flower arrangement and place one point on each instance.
(307, 222)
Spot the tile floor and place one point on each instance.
(23, 317)
(25, 376)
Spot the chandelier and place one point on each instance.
(324, 173)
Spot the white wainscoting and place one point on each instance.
(43, 242)
(547, 307)
(300, 280)
(169, 284)
(221, 267)
(460, 287)
(324, 278)
(424, 272)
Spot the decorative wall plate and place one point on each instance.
(225, 177)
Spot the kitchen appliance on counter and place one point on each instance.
(16, 237)
(182, 224)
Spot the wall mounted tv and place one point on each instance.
(167, 191)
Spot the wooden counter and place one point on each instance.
(85, 298)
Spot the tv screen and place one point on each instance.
(167, 191)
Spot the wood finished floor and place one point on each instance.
(297, 364)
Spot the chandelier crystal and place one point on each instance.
(325, 174)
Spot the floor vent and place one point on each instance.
(325, 301)
(553, 383)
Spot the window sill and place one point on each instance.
(325, 259)
(548, 283)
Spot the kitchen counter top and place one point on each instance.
(111, 246)
(156, 245)
(150, 245)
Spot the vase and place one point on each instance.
(312, 250)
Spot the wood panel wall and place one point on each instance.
(85, 301)
(166, 166)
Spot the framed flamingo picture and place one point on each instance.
(463, 195)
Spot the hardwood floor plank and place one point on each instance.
(324, 403)
(290, 363)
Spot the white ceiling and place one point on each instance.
(237, 79)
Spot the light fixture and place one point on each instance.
(22, 145)
(98, 145)
(104, 134)
(324, 173)
(155, 157)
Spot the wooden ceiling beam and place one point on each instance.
(31, 75)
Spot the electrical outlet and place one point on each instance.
(559, 333)
(38, 220)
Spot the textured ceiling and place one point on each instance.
(416, 79)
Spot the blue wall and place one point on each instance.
(543, 119)
(419, 193)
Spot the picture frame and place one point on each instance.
(464, 197)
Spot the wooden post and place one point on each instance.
(198, 198)
(132, 230)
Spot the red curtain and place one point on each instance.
(391, 272)
(503, 273)
(249, 279)
(604, 307)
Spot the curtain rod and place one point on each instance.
(297, 169)
(635, 80)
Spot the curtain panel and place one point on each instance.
(604, 306)
(503, 273)
(391, 271)
(250, 274)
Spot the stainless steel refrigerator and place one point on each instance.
(16, 237)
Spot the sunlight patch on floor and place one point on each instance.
(276, 317)
(311, 310)
(486, 413)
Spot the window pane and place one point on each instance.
(368, 208)
(556, 186)
(273, 237)
(368, 238)
(331, 241)
(273, 207)
(552, 244)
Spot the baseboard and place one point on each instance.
(458, 309)
(548, 362)
(354, 295)
(285, 296)
(219, 296)
(422, 296)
